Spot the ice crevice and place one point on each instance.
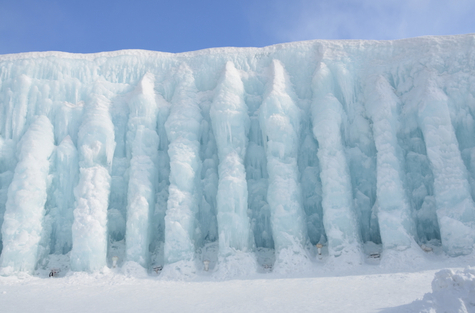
(227, 162)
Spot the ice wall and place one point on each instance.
(237, 155)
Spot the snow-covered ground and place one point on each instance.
(371, 288)
(117, 293)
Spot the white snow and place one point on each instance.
(129, 290)
(452, 291)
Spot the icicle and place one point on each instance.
(23, 220)
(183, 132)
(143, 146)
(96, 147)
(231, 128)
(394, 215)
(455, 207)
(67, 176)
(338, 217)
(280, 121)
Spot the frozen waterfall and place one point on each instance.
(243, 159)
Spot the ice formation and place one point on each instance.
(244, 155)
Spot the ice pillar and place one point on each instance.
(455, 207)
(280, 122)
(231, 127)
(67, 174)
(394, 215)
(23, 220)
(143, 142)
(338, 217)
(96, 148)
(183, 132)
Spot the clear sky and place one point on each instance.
(186, 25)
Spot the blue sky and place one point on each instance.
(185, 25)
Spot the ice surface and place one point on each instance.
(455, 207)
(279, 118)
(25, 207)
(338, 216)
(96, 147)
(183, 131)
(143, 142)
(229, 116)
(394, 216)
(244, 157)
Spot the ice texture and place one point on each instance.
(279, 118)
(455, 207)
(96, 147)
(25, 207)
(143, 145)
(244, 157)
(183, 131)
(339, 218)
(231, 128)
(394, 215)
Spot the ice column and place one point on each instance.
(96, 148)
(67, 173)
(143, 147)
(7, 167)
(394, 215)
(231, 127)
(338, 217)
(183, 132)
(280, 121)
(163, 176)
(17, 107)
(23, 220)
(455, 207)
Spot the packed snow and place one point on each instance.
(452, 291)
(306, 159)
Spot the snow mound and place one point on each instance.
(452, 291)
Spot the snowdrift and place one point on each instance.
(452, 291)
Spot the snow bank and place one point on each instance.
(452, 291)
